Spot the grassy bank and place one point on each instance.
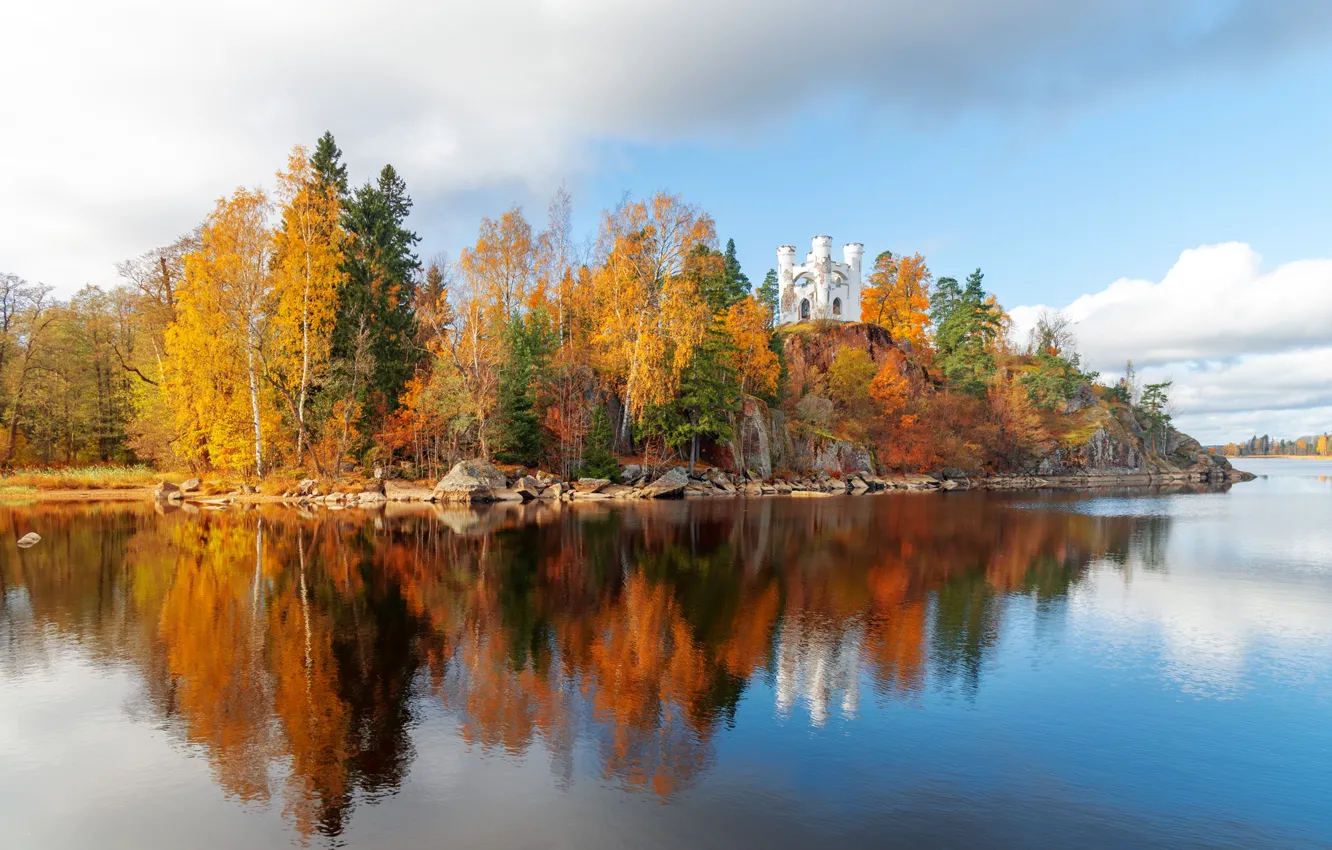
(84, 478)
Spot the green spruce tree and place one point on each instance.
(599, 460)
(736, 285)
(768, 296)
(327, 164)
(376, 318)
(967, 324)
(529, 342)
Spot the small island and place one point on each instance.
(299, 338)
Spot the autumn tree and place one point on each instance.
(26, 317)
(648, 314)
(1020, 431)
(503, 264)
(222, 325)
(898, 298)
(756, 364)
(308, 278)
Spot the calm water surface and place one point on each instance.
(1137, 669)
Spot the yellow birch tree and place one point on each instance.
(214, 344)
(308, 278)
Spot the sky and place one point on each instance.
(1157, 168)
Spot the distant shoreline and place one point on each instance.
(1276, 457)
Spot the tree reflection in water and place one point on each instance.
(269, 639)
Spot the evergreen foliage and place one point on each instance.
(376, 320)
(529, 342)
(967, 322)
(328, 166)
(769, 297)
(599, 460)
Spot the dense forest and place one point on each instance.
(302, 332)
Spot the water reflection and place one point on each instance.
(297, 652)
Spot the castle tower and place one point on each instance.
(820, 287)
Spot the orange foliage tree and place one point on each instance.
(898, 298)
(756, 363)
(649, 316)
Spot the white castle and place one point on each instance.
(819, 288)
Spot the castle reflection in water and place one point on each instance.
(296, 652)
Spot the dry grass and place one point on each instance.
(85, 478)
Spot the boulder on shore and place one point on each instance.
(190, 485)
(402, 491)
(591, 485)
(469, 481)
(30, 539)
(165, 491)
(669, 486)
(528, 487)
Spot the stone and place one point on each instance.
(191, 485)
(554, 491)
(668, 486)
(580, 496)
(631, 471)
(619, 491)
(248, 490)
(307, 487)
(166, 491)
(469, 481)
(29, 540)
(590, 485)
(372, 496)
(506, 495)
(403, 491)
(528, 487)
(858, 485)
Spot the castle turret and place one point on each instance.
(822, 248)
(854, 253)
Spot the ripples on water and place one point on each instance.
(1123, 669)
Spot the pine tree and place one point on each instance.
(736, 284)
(768, 296)
(327, 165)
(529, 343)
(709, 393)
(379, 296)
(967, 323)
(599, 460)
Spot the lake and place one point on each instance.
(1112, 669)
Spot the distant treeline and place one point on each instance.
(1318, 445)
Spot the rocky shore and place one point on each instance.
(475, 482)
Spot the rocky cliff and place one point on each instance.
(1101, 442)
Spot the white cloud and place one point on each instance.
(123, 120)
(1250, 351)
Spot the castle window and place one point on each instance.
(837, 306)
(804, 309)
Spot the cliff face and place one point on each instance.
(808, 352)
(1120, 445)
(771, 440)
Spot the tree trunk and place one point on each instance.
(254, 410)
